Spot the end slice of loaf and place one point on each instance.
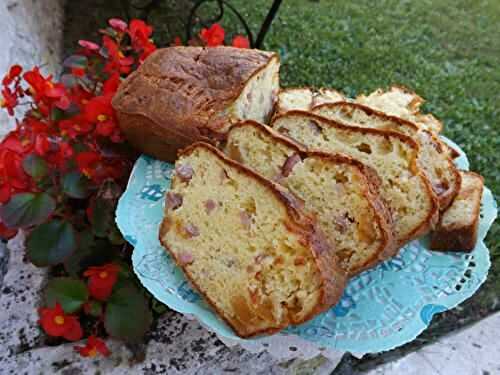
(245, 244)
(457, 228)
(402, 102)
(305, 98)
(333, 187)
(433, 158)
(404, 187)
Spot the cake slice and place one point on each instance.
(337, 189)
(304, 98)
(246, 245)
(432, 158)
(401, 102)
(457, 227)
(404, 187)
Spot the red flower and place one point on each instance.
(13, 179)
(139, 32)
(101, 280)
(214, 36)
(87, 162)
(98, 109)
(94, 346)
(8, 100)
(91, 46)
(177, 42)
(74, 127)
(42, 144)
(14, 72)
(78, 72)
(111, 84)
(241, 41)
(117, 61)
(147, 50)
(37, 82)
(56, 323)
(118, 24)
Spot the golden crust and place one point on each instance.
(177, 95)
(333, 279)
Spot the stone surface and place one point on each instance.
(19, 296)
(473, 351)
(177, 346)
(31, 35)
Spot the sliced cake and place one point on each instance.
(333, 187)
(401, 102)
(457, 227)
(304, 98)
(246, 245)
(404, 187)
(433, 157)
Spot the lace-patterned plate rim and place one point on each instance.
(148, 172)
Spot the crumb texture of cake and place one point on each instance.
(181, 95)
(433, 158)
(245, 244)
(404, 187)
(458, 225)
(305, 98)
(332, 187)
(401, 102)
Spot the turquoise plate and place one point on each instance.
(382, 308)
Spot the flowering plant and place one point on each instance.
(214, 36)
(62, 170)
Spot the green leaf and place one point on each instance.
(90, 251)
(27, 209)
(95, 308)
(75, 61)
(70, 293)
(51, 243)
(57, 114)
(75, 185)
(158, 307)
(124, 303)
(35, 166)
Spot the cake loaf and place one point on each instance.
(246, 245)
(180, 95)
(404, 187)
(457, 227)
(433, 157)
(335, 188)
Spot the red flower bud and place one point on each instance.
(101, 280)
(240, 41)
(214, 36)
(93, 347)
